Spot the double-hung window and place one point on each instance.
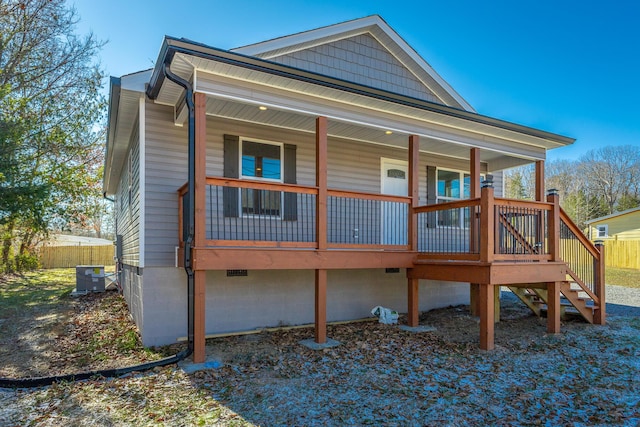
(261, 161)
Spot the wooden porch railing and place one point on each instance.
(250, 213)
(486, 229)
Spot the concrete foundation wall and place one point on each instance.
(131, 283)
(273, 298)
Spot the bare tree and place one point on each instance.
(611, 173)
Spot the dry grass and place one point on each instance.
(627, 277)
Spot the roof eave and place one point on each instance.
(114, 103)
(171, 46)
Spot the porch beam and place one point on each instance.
(321, 182)
(474, 171)
(321, 307)
(298, 259)
(200, 279)
(497, 273)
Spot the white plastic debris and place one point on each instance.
(385, 315)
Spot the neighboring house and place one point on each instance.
(623, 225)
(312, 177)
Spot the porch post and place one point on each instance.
(199, 276)
(487, 225)
(487, 250)
(321, 230)
(540, 181)
(414, 154)
(553, 307)
(487, 323)
(474, 170)
(321, 182)
(600, 316)
(413, 284)
(554, 225)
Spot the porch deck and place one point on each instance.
(486, 241)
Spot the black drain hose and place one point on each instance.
(106, 373)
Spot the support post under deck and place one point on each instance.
(553, 307)
(321, 307)
(487, 323)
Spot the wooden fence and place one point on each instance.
(622, 253)
(71, 256)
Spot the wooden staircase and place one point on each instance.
(574, 301)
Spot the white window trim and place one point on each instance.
(605, 229)
(461, 174)
(261, 141)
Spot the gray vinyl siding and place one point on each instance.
(498, 183)
(166, 171)
(360, 59)
(128, 204)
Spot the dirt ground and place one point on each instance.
(75, 334)
(95, 331)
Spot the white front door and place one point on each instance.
(395, 182)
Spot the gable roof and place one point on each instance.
(240, 82)
(375, 27)
(613, 215)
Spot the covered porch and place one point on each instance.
(326, 216)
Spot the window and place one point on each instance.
(451, 186)
(262, 161)
(602, 230)
(259, 160)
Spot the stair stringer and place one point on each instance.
(578, 302)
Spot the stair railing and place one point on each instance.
(585, 262)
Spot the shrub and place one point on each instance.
(26, 262)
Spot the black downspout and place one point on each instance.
(191, 183)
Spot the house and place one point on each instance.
(312, 177)
(623, 225)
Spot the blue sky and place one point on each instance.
(565, 66)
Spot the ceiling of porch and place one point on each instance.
(272, 116)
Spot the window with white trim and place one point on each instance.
(602, 230)
(452, 186)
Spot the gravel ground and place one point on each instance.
(622, 301)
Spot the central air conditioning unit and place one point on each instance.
(89, 278)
